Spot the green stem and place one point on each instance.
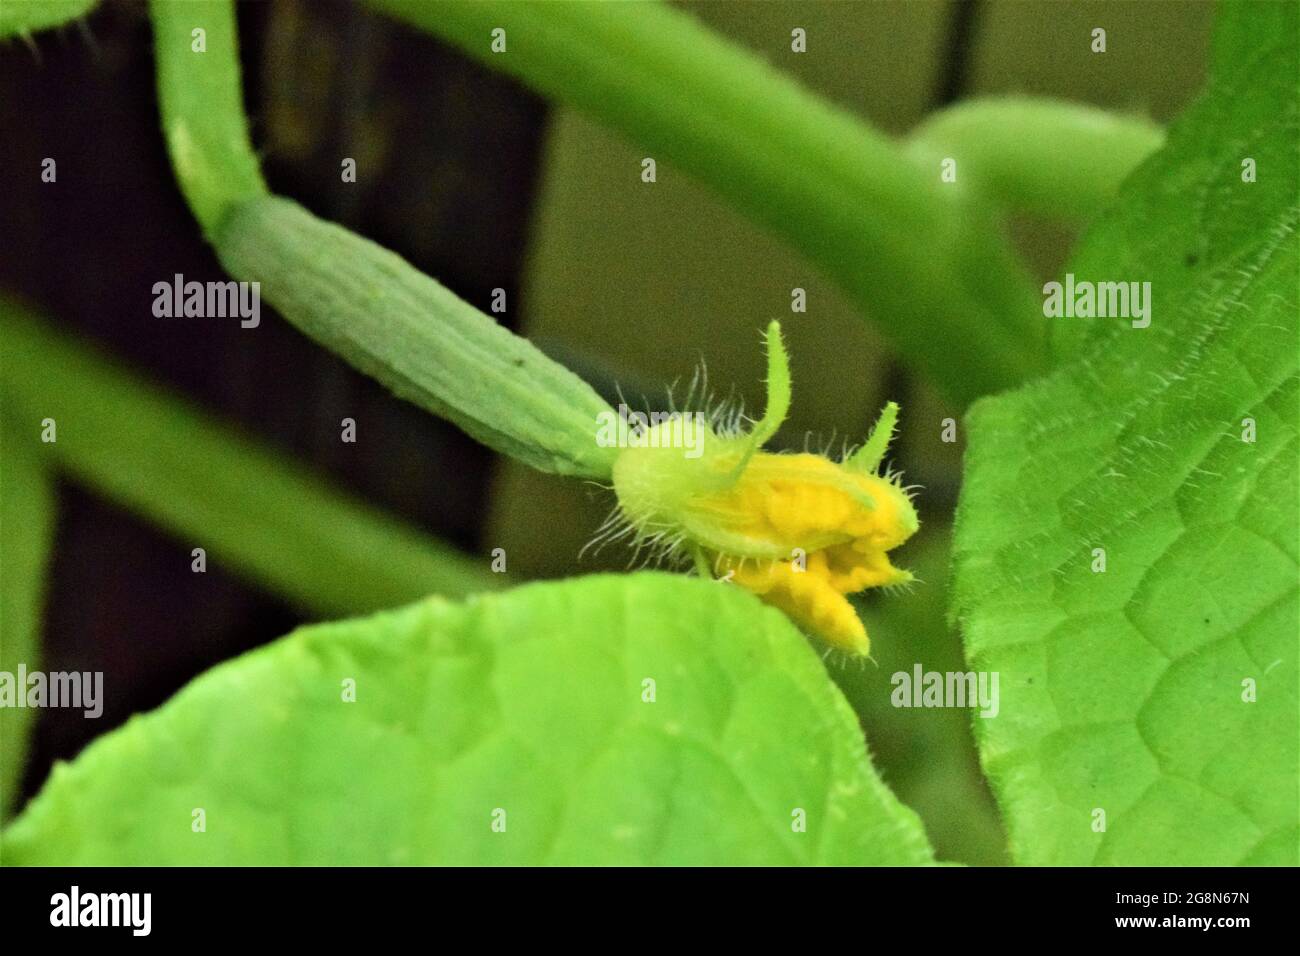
(359, 300)
(27, 513)
(202, 107)
(248, 507)
(22, 17)
(926, 263)
(1051, 158)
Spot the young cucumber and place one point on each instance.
(401, 327)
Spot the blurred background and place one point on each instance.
(483, 185)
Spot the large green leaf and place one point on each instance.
(529, 702)
(1127, 691)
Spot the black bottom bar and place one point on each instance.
(334, 906)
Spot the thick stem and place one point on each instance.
(1047, 157)
(248, 507)
(927, 265)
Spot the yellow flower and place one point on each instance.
(800, 531)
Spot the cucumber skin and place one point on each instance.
(397, 325)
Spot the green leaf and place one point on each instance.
(1127, 691)
(529, 702)
(20, 17)
(430, 347)
(27, 511)
(249, 506)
